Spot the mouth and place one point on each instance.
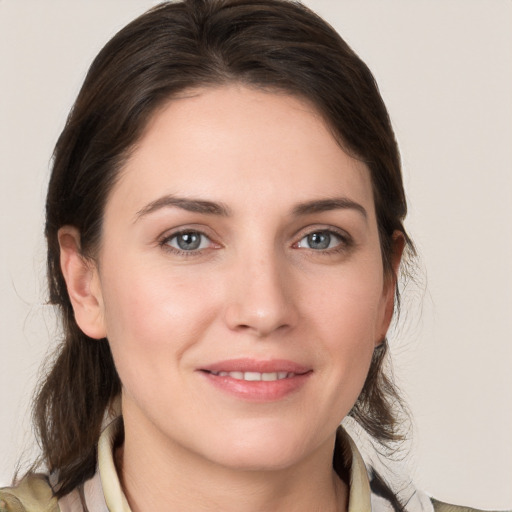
(255, 376)
(257, 381)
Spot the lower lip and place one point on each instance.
(258, 391)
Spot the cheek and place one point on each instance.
(349, 305)
(350, 336)
(153, 315)
(347, 319)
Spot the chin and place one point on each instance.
(260, 446)
(256, 458)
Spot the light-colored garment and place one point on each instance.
(369, 491)
(103, 492)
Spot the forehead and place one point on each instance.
(239, 144)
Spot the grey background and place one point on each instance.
(444, 68)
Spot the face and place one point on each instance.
(240, 279)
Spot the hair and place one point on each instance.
(274, 45)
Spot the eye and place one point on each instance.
(188, 241)
(320, 240)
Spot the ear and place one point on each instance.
(390, 282)
(83, 284)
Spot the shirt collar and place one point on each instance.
(346, 454)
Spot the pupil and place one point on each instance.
(189, 241)
(319, 240)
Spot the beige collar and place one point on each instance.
(346, 451)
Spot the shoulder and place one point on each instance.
(439, 506)
(32, 494)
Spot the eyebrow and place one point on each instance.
(220, 209)
(191, 205)
(324, 205)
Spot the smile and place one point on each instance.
(256, 376)
(255, 380)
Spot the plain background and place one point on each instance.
(444, 69)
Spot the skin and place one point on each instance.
(257, 287)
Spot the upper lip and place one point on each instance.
(255, 365)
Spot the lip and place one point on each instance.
(256, 365)
(259, 390)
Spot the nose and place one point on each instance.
(261, 298)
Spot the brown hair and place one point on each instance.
(270, 44)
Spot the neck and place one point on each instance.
(159, 475)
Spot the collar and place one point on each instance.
(103, 492)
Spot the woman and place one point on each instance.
(221, 322)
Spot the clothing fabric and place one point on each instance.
(369, 490)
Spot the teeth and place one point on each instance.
(255, 376)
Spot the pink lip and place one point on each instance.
(254, 365)
(257, 391)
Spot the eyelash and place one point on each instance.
(345, 242)
(165, 243)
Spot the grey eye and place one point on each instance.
(320, 240)
(188, 241)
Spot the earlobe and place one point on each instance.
(390, 285)
(82, 283)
